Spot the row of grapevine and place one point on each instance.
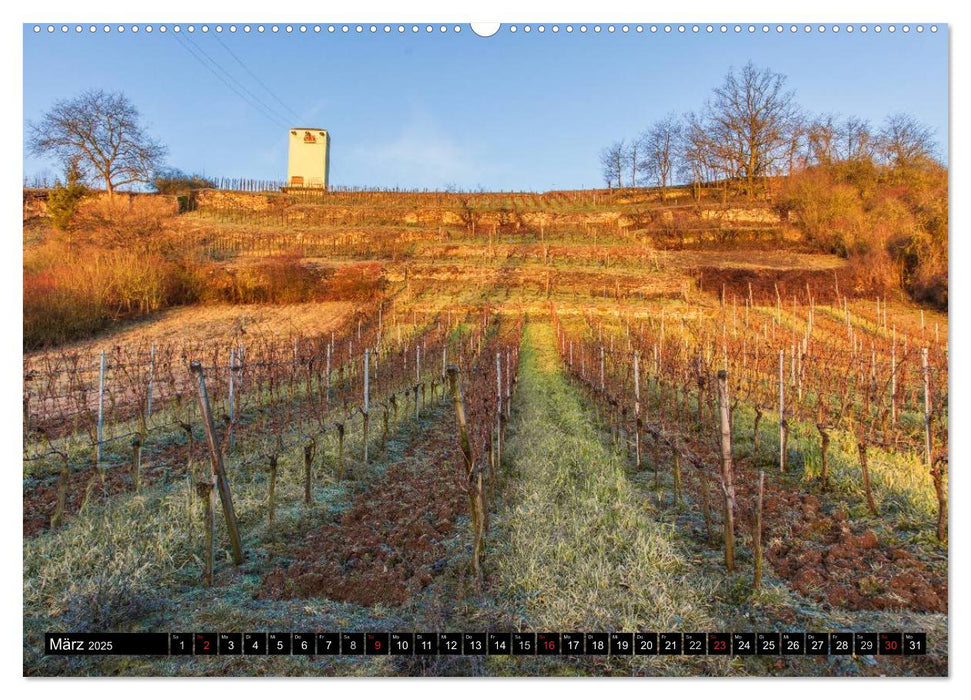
(665, 383)
(482, 408)
(263, 401)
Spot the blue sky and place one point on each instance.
(512, 111)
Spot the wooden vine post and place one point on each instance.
(782, 412)
(637, 409)
(417, 376)
(939, 474)
(136, 445)
(340, 451)
(205, 493)
(509, 381)
(498, 459)
(309, 450)
(58, 517)
(705, 503)
(218, 472)
(151, 384)
(232, 399)
(602, 363)
(327, 375)
(727, 476)
(272, 504)
(757, 535)
(366, 411)
(474, 475)
(101, 405)
(893, 379)
(755, 432)
(927, 405)
(676, 486)
(824, 452)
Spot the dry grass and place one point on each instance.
(213, 324)
(575, 525)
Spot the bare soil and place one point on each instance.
(821, 554)
(389, 544)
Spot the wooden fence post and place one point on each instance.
(728, 486)
(219, 473)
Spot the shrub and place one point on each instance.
(280, 279)
(174, 181)
(62, 203)
(72, 291)
(891, 222)
(356, 282)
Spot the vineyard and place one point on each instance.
(842, 389)
(567, 411)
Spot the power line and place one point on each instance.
(194, 51)
(256, 78)
(272, 110)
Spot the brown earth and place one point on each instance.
(40, 499)
(818, 551)
(389, 545)
(764, 281)
(824, 556)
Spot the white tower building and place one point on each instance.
(309, 161)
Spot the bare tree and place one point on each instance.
(633, 155)
(797, 143)
(749, 118)
(822, 140)
(698, 153)
(904, 141)
(708, 153)
(856, 139)
(662, 151)
(101, 131)
(612, 163)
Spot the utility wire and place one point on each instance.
(266, 113)
(271, 109)
(254, 76)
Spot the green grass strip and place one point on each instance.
(581, 549)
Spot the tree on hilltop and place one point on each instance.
(613, 160)
(99, 130)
